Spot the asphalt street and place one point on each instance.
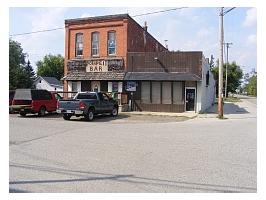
(136, 154)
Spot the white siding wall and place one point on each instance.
(44, 85)
(207, 95)
(199, 97)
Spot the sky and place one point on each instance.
(185, 29)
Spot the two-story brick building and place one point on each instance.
(115, 54)
(96, 51)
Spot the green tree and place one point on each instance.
(19, 75)
(234, 76)
(51, 66)
(251, 86)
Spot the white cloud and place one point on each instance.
(251, 18)
(38, 45)
(84, 15)
(204, 32)
(252, 40)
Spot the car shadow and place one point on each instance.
(100, 118)
(47, 115)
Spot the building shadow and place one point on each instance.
(228, 107)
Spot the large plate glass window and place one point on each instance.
(145, 92)
(178, 93)
(95, 44)
(111, 43)
(79, 44)
(156, 92)
(166, 93)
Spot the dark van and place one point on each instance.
(34, 101)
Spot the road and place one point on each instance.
(128, 154)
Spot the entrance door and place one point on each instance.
(95, 86)
(190, 99)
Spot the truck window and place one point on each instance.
(41, 95)
(47, 95)
(105, 97)
(86, 96)
(57, 96)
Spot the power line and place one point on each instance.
(227, 11)
(46, 30)
(161, 11)
(41, 31)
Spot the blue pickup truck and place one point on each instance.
(87, 104)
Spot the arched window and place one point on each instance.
(95, 44)
(79, 44)
(111, 43)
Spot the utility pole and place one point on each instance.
(220, 91)
(225, 88)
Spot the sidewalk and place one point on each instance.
(169, 114)
(232, 110)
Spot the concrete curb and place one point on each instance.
(168, 114)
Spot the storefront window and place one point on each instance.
(156, 92)
(166, 93)
(178, 93)
(115, 87)
(145, 92)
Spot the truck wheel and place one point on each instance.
(42, 111)
(23, 114)
(90, 115)
(114, 112)
(66, 116)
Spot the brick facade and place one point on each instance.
(130, 37)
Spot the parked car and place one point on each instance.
(34, 101)
(87, 104)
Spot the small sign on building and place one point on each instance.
(131, 86)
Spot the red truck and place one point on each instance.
(34, 101)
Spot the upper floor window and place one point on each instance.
(79, 44)
(111, 43)
(95, 44)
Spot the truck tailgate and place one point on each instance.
(68, 104)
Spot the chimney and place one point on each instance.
(145, 27)
(166, 45)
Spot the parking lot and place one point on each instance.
(132, 154)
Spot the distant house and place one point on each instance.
(48, 83)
